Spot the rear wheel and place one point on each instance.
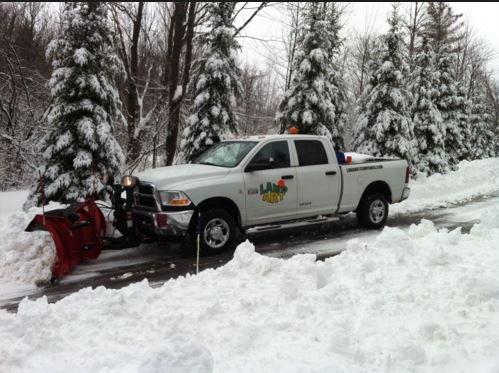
(372, 212)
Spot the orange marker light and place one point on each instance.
(179, 202)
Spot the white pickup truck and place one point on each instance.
(262, 183)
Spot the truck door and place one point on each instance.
(318, 178)
(270, 184)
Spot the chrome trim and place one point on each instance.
(154, 194)
(177, 222)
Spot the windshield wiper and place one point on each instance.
(209, 164)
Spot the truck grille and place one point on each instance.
(146, 197)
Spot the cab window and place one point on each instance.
(310, 152)
(272, 155)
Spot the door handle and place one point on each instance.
(330, 172)
(287, 177)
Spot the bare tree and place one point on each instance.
(180, 39)
(413, 23)
(24, 35)
(295, 14)
(258, 104)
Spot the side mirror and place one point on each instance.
(261, 165)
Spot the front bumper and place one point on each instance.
(405, 193)
(162, 223)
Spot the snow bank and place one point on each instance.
(472, 179)
(25, 258)
(420, 300)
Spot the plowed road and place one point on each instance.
(159, 263)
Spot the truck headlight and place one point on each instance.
(129, 181)
(174, 198)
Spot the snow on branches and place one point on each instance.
(79, 147)
(429, 130)
(384, 126)
(215, 85)
(314, 99)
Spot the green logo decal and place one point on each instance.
(273, 192)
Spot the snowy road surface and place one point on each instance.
(159, 263)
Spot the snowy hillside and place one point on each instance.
(425, 300)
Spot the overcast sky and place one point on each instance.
(270, 25)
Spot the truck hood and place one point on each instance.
(174, 177)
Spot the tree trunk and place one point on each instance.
(134, 144)
(178, 29)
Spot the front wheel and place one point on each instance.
(372, 212)
(218, 233)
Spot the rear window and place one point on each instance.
(310, 152)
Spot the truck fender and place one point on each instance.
(378, 186)
(219, 203)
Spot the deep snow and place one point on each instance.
(472, 179)
(422, 300)
(25, 258)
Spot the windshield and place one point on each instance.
(226, 154)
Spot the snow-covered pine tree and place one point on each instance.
(372, 80)
(310, 103)
(337, 127)
(443, 29)
(481, 123)
(384, 126)
(214, 85)
(429, 130)
(79, 147)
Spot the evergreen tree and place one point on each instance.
(450, 99)
(429, 130)
(79, 147)
(482, 140)
(215, 84)
(384, 126)
(313, 97)
(337, 127)
(339, 99)
(443, 28)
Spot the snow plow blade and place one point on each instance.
(77, 232)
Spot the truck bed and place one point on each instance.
(356, 177)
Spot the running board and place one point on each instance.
(295, 224)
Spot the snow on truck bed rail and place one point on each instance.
(421, 300)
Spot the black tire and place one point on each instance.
(372, 212)
(219, 232)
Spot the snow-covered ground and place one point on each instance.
(418, 299)
(422, 300)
